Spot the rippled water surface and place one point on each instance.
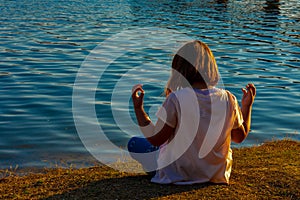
(44, 43)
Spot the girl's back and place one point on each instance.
(200, 150)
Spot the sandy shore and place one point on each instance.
(269, 171)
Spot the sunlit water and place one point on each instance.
(43, 44)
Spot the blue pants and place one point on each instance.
(145, 153)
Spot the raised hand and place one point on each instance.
(138, 96)
(248, 95)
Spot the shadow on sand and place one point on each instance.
(130, 187)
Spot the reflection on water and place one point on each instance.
(44, 43)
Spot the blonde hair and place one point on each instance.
(193, 62)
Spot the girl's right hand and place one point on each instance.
(138, 96)
(248, 95)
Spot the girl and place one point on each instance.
(196, 123)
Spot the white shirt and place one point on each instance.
(200, 149)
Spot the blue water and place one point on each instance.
(43, 45)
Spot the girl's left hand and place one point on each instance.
(138, 96)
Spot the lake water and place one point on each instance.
(44, 44)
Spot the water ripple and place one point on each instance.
(43, 44)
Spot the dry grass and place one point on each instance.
(270, 171)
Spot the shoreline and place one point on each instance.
(80, 160)
(270, 170)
